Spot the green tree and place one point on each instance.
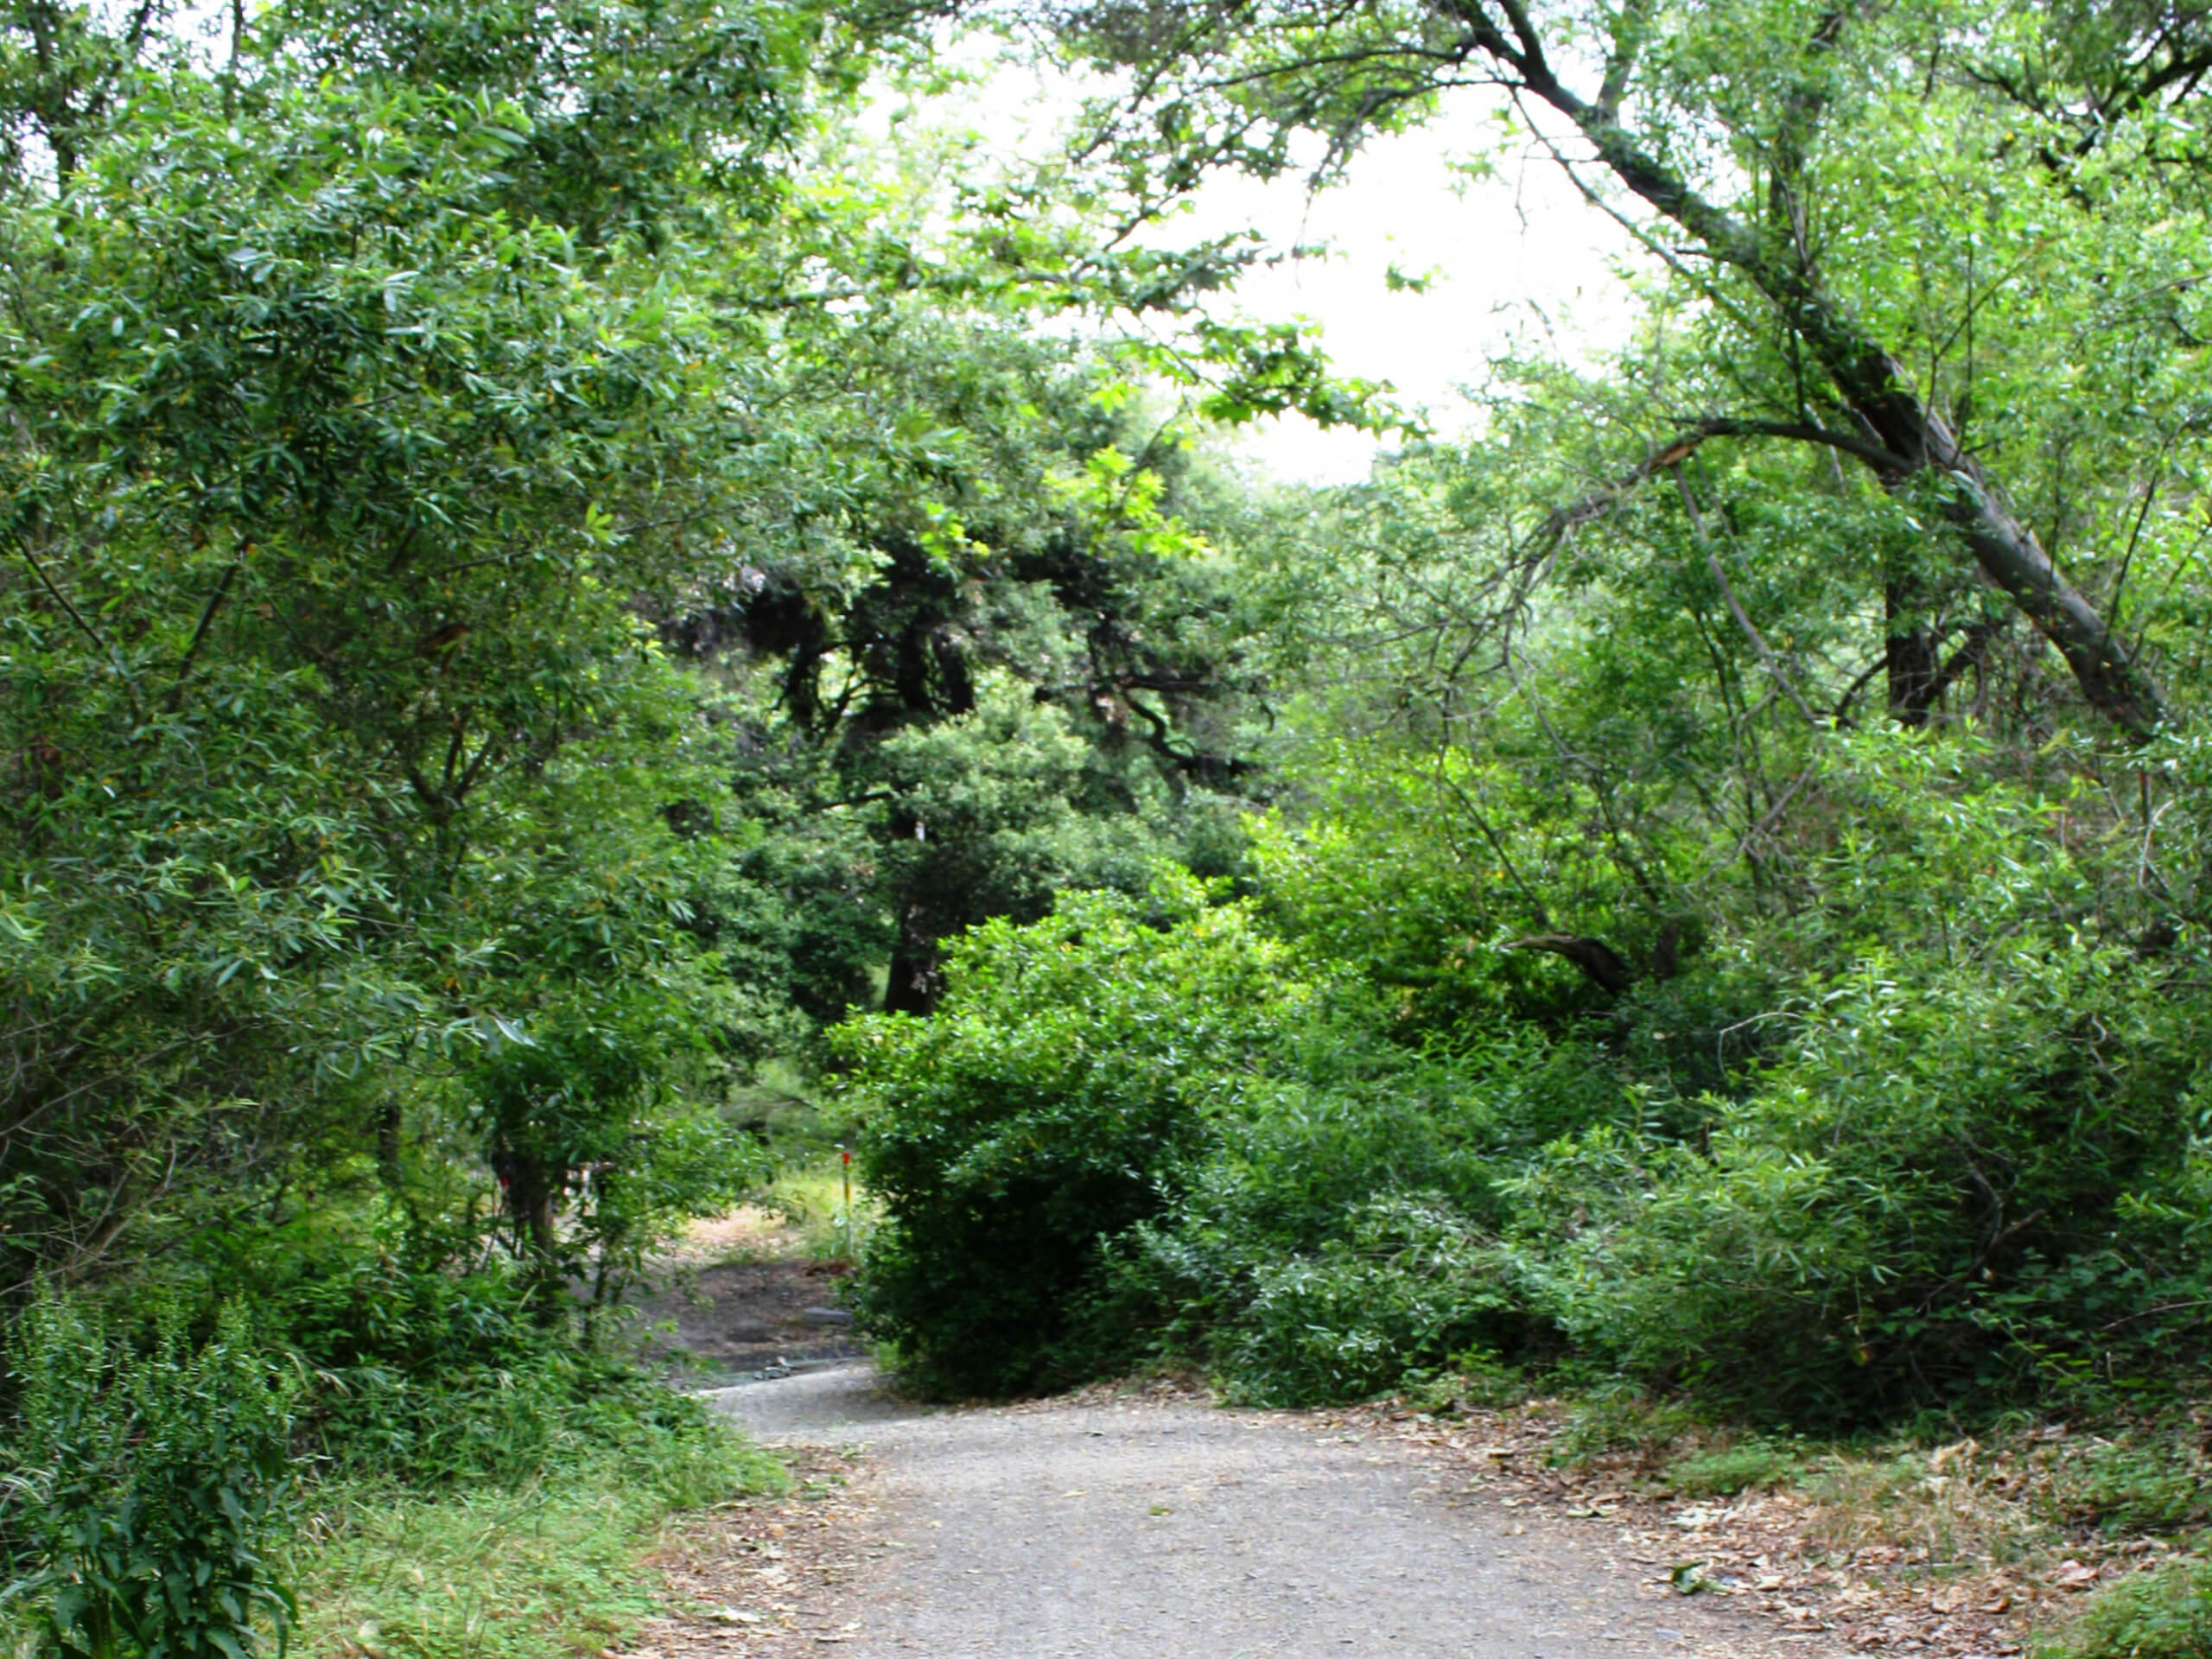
(1937, 242)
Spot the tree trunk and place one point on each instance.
(532, 1194)
(389, 1171)
(915, 981)
(1909, 655)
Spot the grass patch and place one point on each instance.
(1723, 1471)
(810, 1196)
(547, 1568)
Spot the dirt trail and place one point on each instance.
(1122, 1528)
(727, 1320)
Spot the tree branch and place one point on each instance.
(1875, 388)
(1735, 606)
(58, 597)
(206, 620)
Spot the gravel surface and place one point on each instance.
(1132, 1527)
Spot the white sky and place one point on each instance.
(1515, 255)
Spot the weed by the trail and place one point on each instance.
(1724, 1470)
(546, 1569)
(2162, 1615)
(2156, 1482)
(1665, 1439)
(1475, 1381)
(1617, 1419)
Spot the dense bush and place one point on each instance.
(145, 1487)
(1132, 1132)
(426, 1375)
(1933, 1135)
(1343, 1228)
(1058, 1097)
(1970, 1165)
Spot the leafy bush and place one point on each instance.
(145, 1487)
(1923, 1201)
(1128, 1134)
(1060, 1095)
(150, 1490)
(1410, 1286)
(1933, 1135)
(1342, 1232)
(2162, 1615)
(437, 1378)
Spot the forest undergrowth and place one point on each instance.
(2052, 1538)
(497, 1493)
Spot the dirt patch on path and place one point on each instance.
(1921, 1576)
(1116, 1526)
(728, 1319)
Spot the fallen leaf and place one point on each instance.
(2073, 1576)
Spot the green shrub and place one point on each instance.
(1341, 1230)
(1060, 1095)
(1411, 1285)
(1925, 1202)
(145, 1487)
(1930, 1133)
(1126, 1137)
(1968, 1166)
(2162, 1615)
(423, 1374)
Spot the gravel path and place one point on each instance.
(1137, 1529)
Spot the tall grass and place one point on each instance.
(810, 1196)
(551, 1567)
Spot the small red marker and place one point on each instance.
(845, 1155)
